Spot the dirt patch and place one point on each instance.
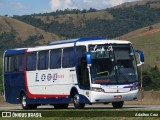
(145, 97)
(151, 32)
(3, 103)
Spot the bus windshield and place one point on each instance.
(113, 64)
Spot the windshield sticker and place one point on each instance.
(101, 50)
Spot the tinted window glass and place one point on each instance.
(68, 57)
(11, 64)
(31, 61)
(55, 58)
(6, 65)
(19, 62)
(80, 53)
(43, 60)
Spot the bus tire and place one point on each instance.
(61, 106)
(118, 104)
(24, 103)
(76, 101)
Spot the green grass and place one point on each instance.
(146, 39)
(85, 118)
(90, 114)
(149, 44)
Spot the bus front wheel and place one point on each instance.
(24, 103)
(118, 104)
(76, 101)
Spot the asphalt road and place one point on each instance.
(94, 106)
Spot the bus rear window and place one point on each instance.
(9, 64)
(14, 63)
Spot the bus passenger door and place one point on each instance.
(82, 70)
(83, 74)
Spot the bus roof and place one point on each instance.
(75, 40)
(78, 41)
(15, 51)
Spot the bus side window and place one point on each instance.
(55, 58)
(11, 64)
(19, 62)
(43, 59)
(68, 57)
(31, 61)
(6, 64)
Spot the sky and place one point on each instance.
(27, 7)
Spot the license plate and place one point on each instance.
(118, 97)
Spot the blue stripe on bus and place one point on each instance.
(83, 99)
(89, 39)
(13, 52)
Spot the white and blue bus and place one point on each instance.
(82, 71)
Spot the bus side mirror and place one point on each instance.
(88, 57)
(141, 57)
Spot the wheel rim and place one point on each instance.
(76, 99)
(24, 101)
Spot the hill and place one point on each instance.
(152, 3)
(147, 39)
(14, 33)
(76, 19)
(108, 23)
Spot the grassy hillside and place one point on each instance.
(152, 3)
(76, 19)
(24, 31)
(148, 40)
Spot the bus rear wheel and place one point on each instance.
(24, 103)
(118, 104)
(76, 101)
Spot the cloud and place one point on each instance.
(117, 2)
(84, 4)
(62, 4)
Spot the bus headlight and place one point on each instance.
(134, 88)
(97, 89)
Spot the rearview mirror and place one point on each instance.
(88, 57)
(141, 57)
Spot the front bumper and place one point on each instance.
(102, 97)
